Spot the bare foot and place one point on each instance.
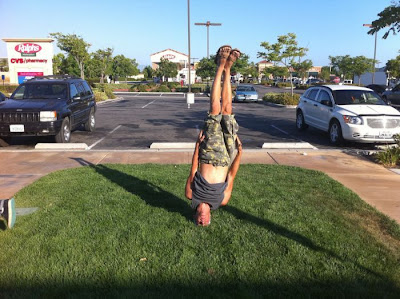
(222, 55)
(233, 56)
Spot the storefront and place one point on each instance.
(180, 59)
(28, 58)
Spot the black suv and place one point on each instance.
(48, 105)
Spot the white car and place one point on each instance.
(348, 113)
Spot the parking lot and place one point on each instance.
(135, 121)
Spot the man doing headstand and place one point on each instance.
(211, 177)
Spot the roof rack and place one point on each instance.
(52, 77)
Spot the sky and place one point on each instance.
(139, 28)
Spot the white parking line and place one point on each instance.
(148, 104)
(100, 140)
(280, 130)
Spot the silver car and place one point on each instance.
(245, 93)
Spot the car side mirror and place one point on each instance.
(326, 103)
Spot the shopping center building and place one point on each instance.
(180, 59)
(28, 58)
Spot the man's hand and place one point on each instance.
(238, 144)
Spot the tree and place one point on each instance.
(167, 68)
(302, 67)
(206, 67)
(283, 52)
(342, 65)
(389, 17)
(325, 73)
(75, 46)
(148, 72)
(276, 71)
(251, 70)
(123, 67)
(57, 63)
(393, 67)
(103, 60)
(361, 65)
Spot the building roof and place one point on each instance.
(43, 40)
(168, 50)
(264, 61)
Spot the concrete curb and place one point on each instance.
(172, 145)
(61, 146)
(280, 105)
(288, 145)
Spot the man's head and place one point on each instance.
(203, 215)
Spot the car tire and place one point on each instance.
(90, 125)
(300, 124)
(64, 136)
(335, 133)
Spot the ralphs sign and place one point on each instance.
(28, 49)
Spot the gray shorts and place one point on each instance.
(219, 143)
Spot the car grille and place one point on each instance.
(383, 123)
(19, 117)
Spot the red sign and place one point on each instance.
(28, 48)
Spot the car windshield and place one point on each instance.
(245, 88)
(357, 97)
(40, 91)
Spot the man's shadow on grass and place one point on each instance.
(157, 197)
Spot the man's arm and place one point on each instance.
(195, 164)
(232, 172)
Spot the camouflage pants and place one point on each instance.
(219, 143)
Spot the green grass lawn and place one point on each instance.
(127, 231)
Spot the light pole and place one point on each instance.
(189, 95)
(373, 66)
(208, 24)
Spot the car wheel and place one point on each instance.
(335, 133)
(300, 124)
(64, 136)
(90, 125)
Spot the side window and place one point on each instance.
(87, 88)
(396, 88)
(306, 93)
(73, 90)
(323, 95)
(313, 94)
(81, 91)
(19, 94)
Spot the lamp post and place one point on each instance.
(373, 66)
(208, 24)
(189, 95)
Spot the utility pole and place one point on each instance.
(373, 69)
(208, 24)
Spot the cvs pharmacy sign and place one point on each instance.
(28, 48)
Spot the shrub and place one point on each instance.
(283, 84)
(142, 87)
(391, 156)
(173, 85)
(302, 86)
(282, 98)
(163, 88)
(151, 84)
(8, 88)
(99, 95)
(107, 89)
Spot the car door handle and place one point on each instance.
(305, 101)
(315, 105)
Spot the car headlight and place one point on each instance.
(354, 120)
(48, 115)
